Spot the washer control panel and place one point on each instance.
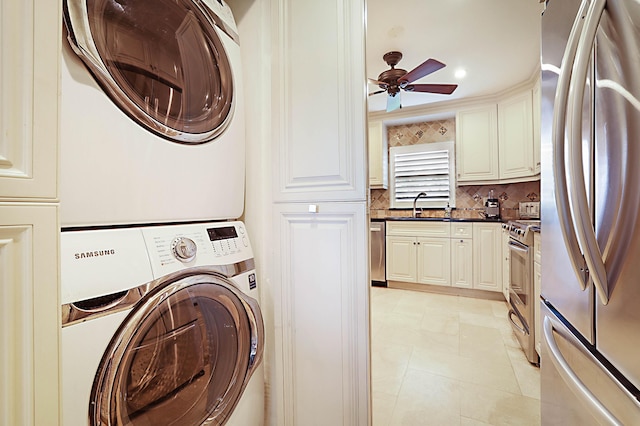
(175, 247)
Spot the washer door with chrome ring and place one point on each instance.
(183, 356)
(162, 62)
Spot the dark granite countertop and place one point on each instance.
(441, 219)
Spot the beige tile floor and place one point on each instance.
(448, 360)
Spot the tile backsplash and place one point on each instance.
(469, 199)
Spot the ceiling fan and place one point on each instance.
(394, 79)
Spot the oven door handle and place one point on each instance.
(518, 247)
(520, 329)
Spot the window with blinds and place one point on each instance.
(428, 168)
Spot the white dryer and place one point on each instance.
(152, 113)
(160, 325)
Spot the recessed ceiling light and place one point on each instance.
(460, 73)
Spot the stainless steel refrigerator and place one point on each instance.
(590, 361)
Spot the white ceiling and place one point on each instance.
(496, 41)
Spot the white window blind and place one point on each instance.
(428, 168)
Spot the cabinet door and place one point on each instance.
(29, 315)
(477, 144)
(378, 158)
(321, 313)
(536, 127)
(462, 263)
(434, 261)
(401, 259)
(30, 37)
(319, 129)
(505, 264)
(516, 136)
(487, 256)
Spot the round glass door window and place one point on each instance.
(160, 61)
(182, 357)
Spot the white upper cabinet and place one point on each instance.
(477, 144)
(500, 142)
(515, 136)
(378, 155)
(536, 126)
(30, 36)
(319, 122)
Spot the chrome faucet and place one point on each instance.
(415, 200)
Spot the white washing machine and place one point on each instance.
(152, 113)
(160, 326)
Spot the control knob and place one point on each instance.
(184, 249)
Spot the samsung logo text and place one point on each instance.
(96, 253)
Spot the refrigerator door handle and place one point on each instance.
(570, 377)
(584, 226)
(558, 133)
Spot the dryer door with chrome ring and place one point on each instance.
(183, 356)
(160, 61)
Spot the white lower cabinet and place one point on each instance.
(419, 252)
(487, 256)
(321, 339)
(462, 263)
(434, 258)
(401, 259)
(29, 315)
(505, 264)
(445, 253)
(462, 255)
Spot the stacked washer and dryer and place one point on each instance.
(160, 319)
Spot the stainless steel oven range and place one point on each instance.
(521, 291)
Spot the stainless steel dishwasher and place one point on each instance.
(378, 260)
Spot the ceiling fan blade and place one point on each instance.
(393, 102)
(427, 67)
(375, 93)
(443, 89)
(376, 82)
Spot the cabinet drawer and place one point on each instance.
(537, 246)
(461, 230)
(418, 228)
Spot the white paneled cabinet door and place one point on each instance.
(505, 264)
(29, 55)
(487, 256)
(320, 122)
(321, 334)
(378, 157)
(462, 263)
(515, 136)
(401, 259)
(320, 283)
(434, 261)
(536, 127)
(29, 315)
(477, 144)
